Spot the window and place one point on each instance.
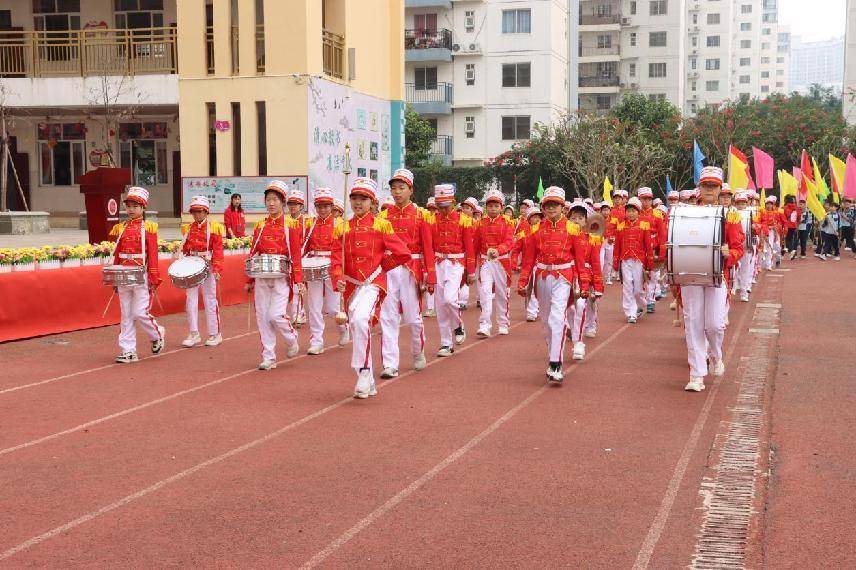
(470, 127)
(712, 41)
(695, 19)
(516, 75)
(133, 14)
(778, 60)
(632, 71)
(766, 31)
(657, 70)
(693, 63)
(694, 86)
(56, 16)
(657, 97)
(745, 44)
(765, 60)
(765, 75)
(657, 39)
(744, 61)
(470, 21)
(514, 128)
(603, 9)
(711, 85)
(780, 72)
(746, 9)
(236, 139)
(425, 78)
(765, 45)
(604, 41)
(746, 26)
(779, 84)
(261, 119)
(211, 110)
(604, 102)
(142, 148)
(658, 8)
(713, 18)
(695, 41)
(633, 8)
(425, 23)
(516, 22)
(765, 89)
(693, 107)
(61, 148)
(632, 39)
(769, 18)
(470, 73)
(744, 79)
(711, 64)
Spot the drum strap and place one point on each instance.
(368, 281)
(207, 239)
(142, 244)
(559, 267)
(486, 258)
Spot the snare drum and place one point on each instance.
(749, 232)
(189, 271)
(693, 254)
(119, 275)
(316, 268)
(268, 266)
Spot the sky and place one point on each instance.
(814, 19)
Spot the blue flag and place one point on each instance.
(668, 185)
(698, 162)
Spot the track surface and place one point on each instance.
(194, 458)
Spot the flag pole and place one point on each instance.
(342, 315)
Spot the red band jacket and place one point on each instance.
(497, 233)
(452, 236)
(281, 236)
(195, 242)
(413, 225)
(633, 241)
(555, 248)
(130, 249)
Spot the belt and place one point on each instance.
(321, 253)
(416, 256)
(368, 281)
(131, 256)
(202, 254)
(559, 267)
(495, 258)
(449, 255)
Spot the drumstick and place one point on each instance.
(110, 300)
(157, 298)
(249, 308)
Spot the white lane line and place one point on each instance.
(769, 305)
(212, 461)
(107, 366)
(438, 468)
(646, 551)
(764, 331)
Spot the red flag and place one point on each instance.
(806, 167)
(764, 168)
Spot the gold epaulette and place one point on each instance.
(620, 226)
(151, 227)
(520, 235)
(291, 223)
(184, 229)
(508, 219)
(644, 225)
(573, 229)
(781, 210)
(383, 226)
(733, 217)
(117, 229)
(383, 214)
(595, 240)
(613, 220)
(427, 215)
(260, 225)
(658, 214)
(218, 229)
(534, 228)
(466, 221)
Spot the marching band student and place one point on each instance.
(203, 238)
(295, 204)
(430, 311)
(406, 282)
(805, 227)
(657, 225)
(452, 237)
(608, 247)
(770, 233)
(790, 220)
(469, 208)
(746, 265)
(706, 308)
(338, 208)
(673, 198)
(848, 220)
(387, 202)
(137, 245)
(534, 216)
(634, 255)
(280, 235)
(494, 241)
(233, 218)
(830, 230)
(555, 251)
(361, 275)
(321, 298)
(583, 313)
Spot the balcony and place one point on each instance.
(595, 54)
(447, 4)
(599, 84)
(441, 149)
(85, 53)
(430, 99)
(334, 55)
(427, 45)
(600, 19)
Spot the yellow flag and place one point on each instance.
(821, 189)
(812, 202)
(787, 184)
(837, 169)
(763, 197)
(737, 177)
(607, 191)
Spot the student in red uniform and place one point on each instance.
(203, 238)
(494, 241)
(634, 256)
(361, 275)
(233, 218)
(534, 216)
(583, 313)
(296, 208)
(281, 235)
(657, 224)
(555, 251)
(137, 245)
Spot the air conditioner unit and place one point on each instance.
(625, 21)
(456, 47)
(634, 86)
(474, 47)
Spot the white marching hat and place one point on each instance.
(199, 202)
(139, 195)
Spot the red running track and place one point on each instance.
(195, 458)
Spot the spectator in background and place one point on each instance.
(848, 222)
(831, 231)
(233, 218)
(805, 227)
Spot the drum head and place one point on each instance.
(187, 266)
(113, 268)
(309, 262)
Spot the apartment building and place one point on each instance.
(200, 88)
(848, 96)
(818, 62)
(690, 52)
(484, 72)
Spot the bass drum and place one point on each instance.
(748, 231)
(693, 249)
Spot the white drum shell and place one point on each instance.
(316, 268)
(693, 249)
(188, 272)
(268, 266)
(123, 275)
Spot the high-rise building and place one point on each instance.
(483, 72)
(848, 95)
(820, 62)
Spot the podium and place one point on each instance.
(102, 189)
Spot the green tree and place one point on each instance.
(419, 135)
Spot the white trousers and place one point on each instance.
(321, 300)
(493, 288)
(582, 317)
(553, 295)
(606, 251)
(532, 307)
(743, 275)
(135, 304)
(400, 305)
(705, 311)
(652, 286)
(464, 294)
(360, 311)
(429, 301)
(632, 287)
(271, 314)
(449, 276)
(296, 308)
(209, 299)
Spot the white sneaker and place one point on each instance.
(481, 333)
(157, 345)
(445, 351)
(631, 319)
(373, 389)
(364, 384)
(299, 321)
(502, 330)
(430, 313)
(315, 349)
(389, 373)
(419, 361)
(744, 297)
(717, 368)
(192, 340)
(579, 350)
(127, 357)
(695, 384)
(673, 306)
(590, 333)
(344, 337)
(608, 281)
(214, 340)
(293, 350)
(836, 258)
(555, 374)
(531, 318)
(460, 335)
(267, 365)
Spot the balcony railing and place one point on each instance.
(260, 48)
(334, 54)
(595, 51)
(599, 19)
(427, 39)
(429, 93)
(599, 81)
(442, 145)
(209, 49)
(88, 52)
